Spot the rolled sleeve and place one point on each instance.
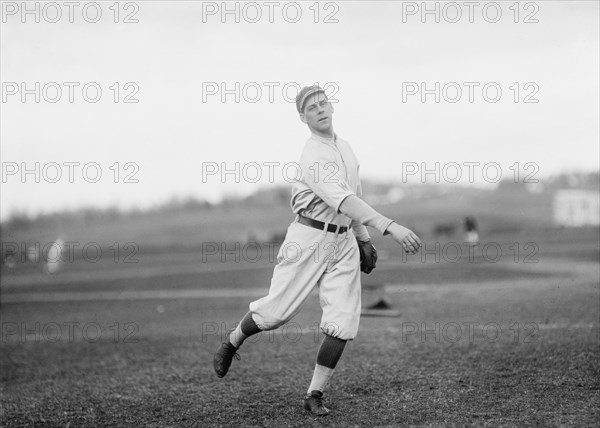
(360, 231)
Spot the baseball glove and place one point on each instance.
(368, 256)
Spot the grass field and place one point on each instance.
(480, 343)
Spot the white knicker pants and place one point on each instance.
(310, 257)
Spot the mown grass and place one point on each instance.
(158, 370)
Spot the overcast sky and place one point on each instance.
(373, 62)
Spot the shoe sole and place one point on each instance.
(316, 414)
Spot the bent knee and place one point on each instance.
(269, 323)
(344, 330)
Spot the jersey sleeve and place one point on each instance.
(324, 176)
(360, 231)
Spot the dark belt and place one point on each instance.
(320, 225)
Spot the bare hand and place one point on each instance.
(405, 237)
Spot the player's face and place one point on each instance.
(318, 114)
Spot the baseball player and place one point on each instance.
(326, 246)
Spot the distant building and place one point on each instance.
(575, 207)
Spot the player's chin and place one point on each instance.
(324, 125)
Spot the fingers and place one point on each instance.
(409, 248)
(416, 238)
(411, 245)
(410, 242)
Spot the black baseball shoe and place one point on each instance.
(313, 402)
(223, 357)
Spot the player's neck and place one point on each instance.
(329, 134)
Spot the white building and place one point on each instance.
(575, 207)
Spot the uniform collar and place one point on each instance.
(325, 140)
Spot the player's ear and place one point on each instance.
(302, 117)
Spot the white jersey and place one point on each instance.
(309, 256)
(330, 173)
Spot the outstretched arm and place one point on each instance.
(361, 212)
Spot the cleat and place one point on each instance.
(314, 404)
(223, 357)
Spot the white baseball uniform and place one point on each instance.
(309, 256)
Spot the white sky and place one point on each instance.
(366, 56)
